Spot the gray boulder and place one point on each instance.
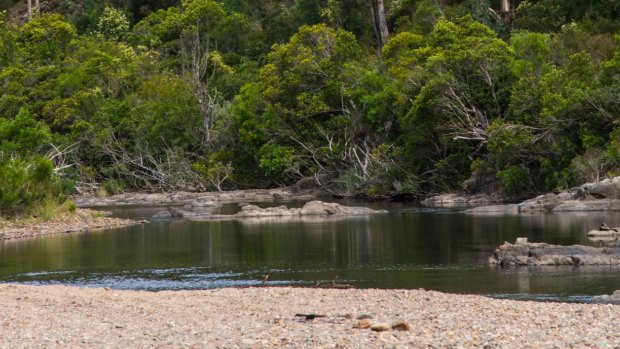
(588, 205)
(312, 208)
(532, 254)
(605, 189)
(494, 209)
(541, 203)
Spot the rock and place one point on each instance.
(494, 209)
(255, 211)
(604, 233)
(162, 215)
(243, 204)
(521, 241)
(614, 298)
(589, 205)
(324, 208)
(401, 326)
(605, 189)
(541, 203)
(380, 327)
(364, 316)
(361, 324)
(451, 200)
(532, 254)
(208, 203)
(312, 208)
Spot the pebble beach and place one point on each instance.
(267, 317)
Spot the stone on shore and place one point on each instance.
(380, 327)
(532, 254)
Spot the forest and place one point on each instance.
(370, 98)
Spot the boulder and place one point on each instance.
(165, 214)
(614, 298)
(312, 208)
(401, 326)
(541, 203)
(381, 326)
(494, 209)
(450, 200)
(589, 205)
(361, 324)
(255, 211)
(615, 232)
(206, 203)
(605, 189)
(532, 254)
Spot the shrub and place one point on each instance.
(26, 184)
(514, 180)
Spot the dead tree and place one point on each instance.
(37, 8)
(379, 23)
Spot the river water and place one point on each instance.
(410, 247)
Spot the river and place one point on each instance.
(410, 247)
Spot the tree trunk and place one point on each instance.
(38, 7)
(379, 22)
(505, 6)
(29, 10)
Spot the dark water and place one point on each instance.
(410, 247)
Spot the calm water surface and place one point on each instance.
(410, 247)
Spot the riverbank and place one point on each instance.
(80, 220)
(59, 316)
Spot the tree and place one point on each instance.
(113, 24)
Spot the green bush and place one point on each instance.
(26, 184)
(514, 180)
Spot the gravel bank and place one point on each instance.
(81, 220)
(58, 316)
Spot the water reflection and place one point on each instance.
(408, 248)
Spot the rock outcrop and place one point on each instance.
(599, 196)
(532, 254)
(186, 198)
(310, 209)
(455, 200)
(494, 209)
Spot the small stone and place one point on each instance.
(361, 324)
(364, 316)
(380, 326)
(401, 326)
(521, 241)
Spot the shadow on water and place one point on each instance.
(410, 247)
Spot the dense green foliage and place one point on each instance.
(207, 94)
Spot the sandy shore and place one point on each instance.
(81, 220)
(60, 317)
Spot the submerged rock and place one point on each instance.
(531, 254)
